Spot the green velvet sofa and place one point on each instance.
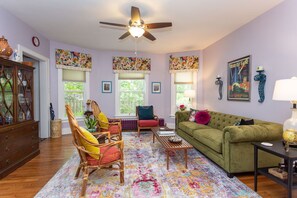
(227, 145)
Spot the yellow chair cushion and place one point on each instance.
(103, 120)
(92, 139)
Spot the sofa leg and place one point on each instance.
(230, 175)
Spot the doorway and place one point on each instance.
(41, 88)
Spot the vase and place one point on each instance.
(5, 49)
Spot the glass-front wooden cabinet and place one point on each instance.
(19, 139)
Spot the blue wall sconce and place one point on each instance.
(262, 80)
(220, 83)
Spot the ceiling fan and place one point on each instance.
(137, 27)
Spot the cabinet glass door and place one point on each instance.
(6, 96)
(25, 95)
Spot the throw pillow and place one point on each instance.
(237, 123)
(202, 117)
(145, 112)
(192, 114)
(103, 120)
(246, 122)
(92, 139)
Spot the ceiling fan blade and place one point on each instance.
(149, 36)
(114, 24)
(158, 25)
(135, 14)
(125, 35)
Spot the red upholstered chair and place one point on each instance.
(114, 126)
(146, 118)
(94, 156)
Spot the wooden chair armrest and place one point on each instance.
(114, 120)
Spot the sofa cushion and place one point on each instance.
(148, 123)
(189, 127)
(210, 137)
(221, 120)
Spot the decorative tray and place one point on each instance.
(175, 139)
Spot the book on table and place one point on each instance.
(166, 133)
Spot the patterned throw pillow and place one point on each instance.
(202, 117)
(246, 122)
(192, 114)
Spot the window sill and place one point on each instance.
(126, 117)
(65, 120)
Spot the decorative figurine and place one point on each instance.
(220, 83)
(52, 112)
(16, 56)
(262, 80)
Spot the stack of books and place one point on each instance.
(166, 132)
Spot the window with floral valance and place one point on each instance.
(131, 64)
(66, 59)
(183, 63)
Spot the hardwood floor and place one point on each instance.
(30, 178)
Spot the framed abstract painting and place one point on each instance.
(239, 88)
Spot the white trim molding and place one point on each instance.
(44, 94)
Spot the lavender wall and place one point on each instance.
(102, 71)
(271, 40)
(17, 32)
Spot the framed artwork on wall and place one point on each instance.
(239, 88)
(106, 87)
(156, 87)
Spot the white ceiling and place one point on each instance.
(196, 23)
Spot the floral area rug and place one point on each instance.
(146, 175)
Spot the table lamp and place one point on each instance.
(286, 90)
(190, 94)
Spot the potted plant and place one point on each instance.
(91, 124)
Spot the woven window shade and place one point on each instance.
(74, 75)
(127, 76)
(183, 78)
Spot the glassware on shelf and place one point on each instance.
(8, 119)
(28, 115)
(21, 116)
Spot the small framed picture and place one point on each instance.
(106, 87)
(156, 87)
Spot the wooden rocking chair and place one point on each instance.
(94, 156)
(113, 125)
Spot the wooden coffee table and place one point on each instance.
(184, 145)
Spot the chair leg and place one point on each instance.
(77, 172)
(122, 180)
(138, 130)
(85, 182)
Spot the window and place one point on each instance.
(73, 89)
(131, 91)
(180, 82)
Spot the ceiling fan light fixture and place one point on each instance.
(136, 32)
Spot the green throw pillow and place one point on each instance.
(145, 112)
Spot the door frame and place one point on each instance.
(44, 89)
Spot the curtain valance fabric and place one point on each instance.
(131, 64)
(66, 59)
(183, 63)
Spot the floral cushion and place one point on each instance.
(113, 129)
(202, 117)
(192, 114)
(110, 154)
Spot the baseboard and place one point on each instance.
(66, 131)
(171, 125)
